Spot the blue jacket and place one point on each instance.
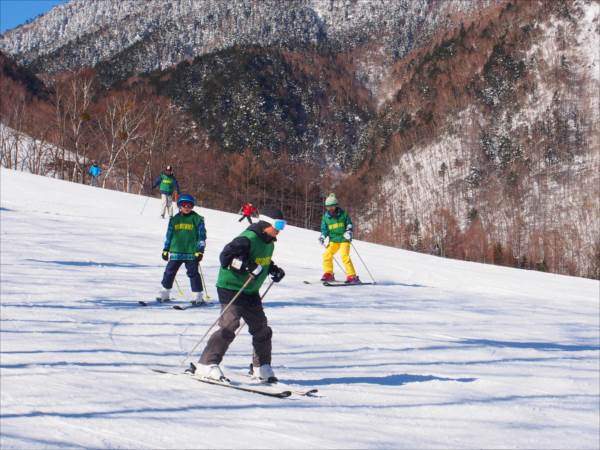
(95, 171)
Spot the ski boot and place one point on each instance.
(264, 374)
(352, 279)
(164, 295)
(327, 276)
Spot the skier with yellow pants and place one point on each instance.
(337, 226)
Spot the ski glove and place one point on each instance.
(165, 255)
(348, 235)
(198, 256)
(254, 269)
(276, 273)
(322, 240)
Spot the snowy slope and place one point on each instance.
(440, 354)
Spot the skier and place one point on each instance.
(248, 211)
(337, 226)
(95, 171)
(245, 259)
(167, 185)
(185, 241)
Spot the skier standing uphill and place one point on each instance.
(245, 259)
(337, 226)
(167, 185)
(248, 211)
(185, 241)
(95, 171)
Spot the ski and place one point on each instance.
(341, 283)
(233, 385)
(194, 304)
(338, 283)
(157, 301)
(311, 392)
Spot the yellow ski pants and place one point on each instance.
(331, 250)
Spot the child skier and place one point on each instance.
(248, 211)
(337, 226)
(245, 264)
(167, 185)
(185, 241)
(95, 171)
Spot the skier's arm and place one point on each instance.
(238, 248)
(156, 182)
(176, 185)
(169, 236)
(324, 228)
(348, 223)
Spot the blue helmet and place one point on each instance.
(185, 198)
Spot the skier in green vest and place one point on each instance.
(167, 185)
(185, 243)
(245, 264)
(336, 226)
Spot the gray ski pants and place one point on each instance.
(166, 204)
(248, 307)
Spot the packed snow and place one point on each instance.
(438, 354)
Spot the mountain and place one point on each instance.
(156, 34)
(299, 76)
(494, 130)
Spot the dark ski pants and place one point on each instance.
(192, 272)
(248, 307)
(246, 217)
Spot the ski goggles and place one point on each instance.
(186, 205)
(279, 224)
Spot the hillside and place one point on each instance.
(440, 353)
(490, 142)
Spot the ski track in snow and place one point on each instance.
(440, 353)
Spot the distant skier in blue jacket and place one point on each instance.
(95, 171)
(167, 184)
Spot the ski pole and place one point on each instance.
(361, 260)
(205, 295)
(243, 322)
(339, 265)
(250, 278)
(144, 207)
(179, 289)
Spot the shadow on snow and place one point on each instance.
(94, 264)
(390, 380)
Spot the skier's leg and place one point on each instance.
(242, 218)
(219, 341)
(254, 315)
(170, 205)
(331, 250)
(192, 272)
(170, 272)
(345, 252)
(163, 204)
(249, 220)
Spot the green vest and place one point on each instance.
(260, 253)
(335, 227)
(167, 183)
(185, 233)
